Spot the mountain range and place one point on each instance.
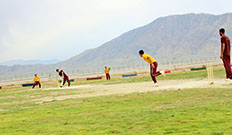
(166, 38)
(28, 62)
(177, 36)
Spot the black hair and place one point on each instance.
(35, 74)
(57, 70)
(141, 52)
(222, 30)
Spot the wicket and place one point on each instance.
(210, 73)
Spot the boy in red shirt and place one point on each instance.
(225, 53)
(64, 76)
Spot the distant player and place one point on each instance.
(107, 71)
(36, 81)
(153, 66)
(64, 76)
(225, 53)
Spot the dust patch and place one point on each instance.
(82, 91)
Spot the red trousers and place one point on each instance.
(107, 76)
(226, 61)
(66, 79)
(153, 72)
(35, 84)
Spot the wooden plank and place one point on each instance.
(28, 84)
(167, 72)
(93, 78)
(196, 69)
(129, 75)
(71, 80)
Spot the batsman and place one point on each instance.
(64, 76)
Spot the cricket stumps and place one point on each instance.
(210, 73)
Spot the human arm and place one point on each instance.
(152, 65)
(62, 74)
(222, 50)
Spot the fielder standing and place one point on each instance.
(225, 53)
(107, 71)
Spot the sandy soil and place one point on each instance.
(102, 90)
(80, 91)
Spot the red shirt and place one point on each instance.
(60, 73)
(226, 41)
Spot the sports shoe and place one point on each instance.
(60, 86)
(162, 73)
(156, 85)
(228, 79)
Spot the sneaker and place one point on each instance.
(60, 86)
(228, 79)
(156, 84)
(162, 73)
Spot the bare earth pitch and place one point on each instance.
(80, 91)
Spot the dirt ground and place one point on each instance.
(80, 91)
(102, 90)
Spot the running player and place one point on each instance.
(153, 66)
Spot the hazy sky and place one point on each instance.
(60, 29)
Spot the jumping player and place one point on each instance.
(64, 76)
(107, 71)
(225, 53)
(36, 81)
(153, 66)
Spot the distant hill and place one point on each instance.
(28, 62)
(166, 38)
(178, 36)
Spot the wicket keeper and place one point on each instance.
(36, 81)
